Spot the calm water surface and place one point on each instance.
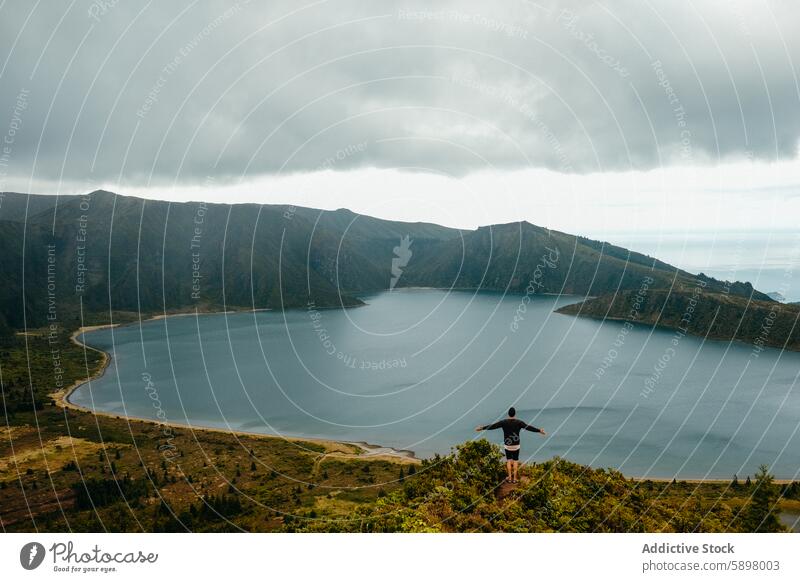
(419, 369)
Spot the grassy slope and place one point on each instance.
(56, 463)
(520, 256)
(715, 315)
(463, 493)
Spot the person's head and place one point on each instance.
(512, 412)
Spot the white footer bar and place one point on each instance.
(388, 557)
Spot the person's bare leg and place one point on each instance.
(509, 464)
(516, 471)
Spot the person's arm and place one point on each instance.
(493, 426)
(534, 429)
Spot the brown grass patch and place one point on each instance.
(52, 456)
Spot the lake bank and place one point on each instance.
(61, 398)
(418, 370)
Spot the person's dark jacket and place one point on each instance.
(511, 429)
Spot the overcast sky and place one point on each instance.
(582, 116)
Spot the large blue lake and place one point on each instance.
(419, 369)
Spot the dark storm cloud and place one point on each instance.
(180, 91)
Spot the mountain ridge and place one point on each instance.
(103, 253)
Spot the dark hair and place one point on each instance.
(512, 412)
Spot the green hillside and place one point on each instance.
(103, 253)
(120, 253)
(703, 313)
(520, 257)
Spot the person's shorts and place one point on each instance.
(512, 455)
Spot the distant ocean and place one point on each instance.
(768, 260)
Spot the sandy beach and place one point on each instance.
(61, 398)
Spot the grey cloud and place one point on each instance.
(181, 91)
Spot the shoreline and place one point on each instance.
(668, 328)
(710, 480)
(61, 398)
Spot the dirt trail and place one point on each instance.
(507, 488)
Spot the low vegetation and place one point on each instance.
(464, 492)
(713, 315)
